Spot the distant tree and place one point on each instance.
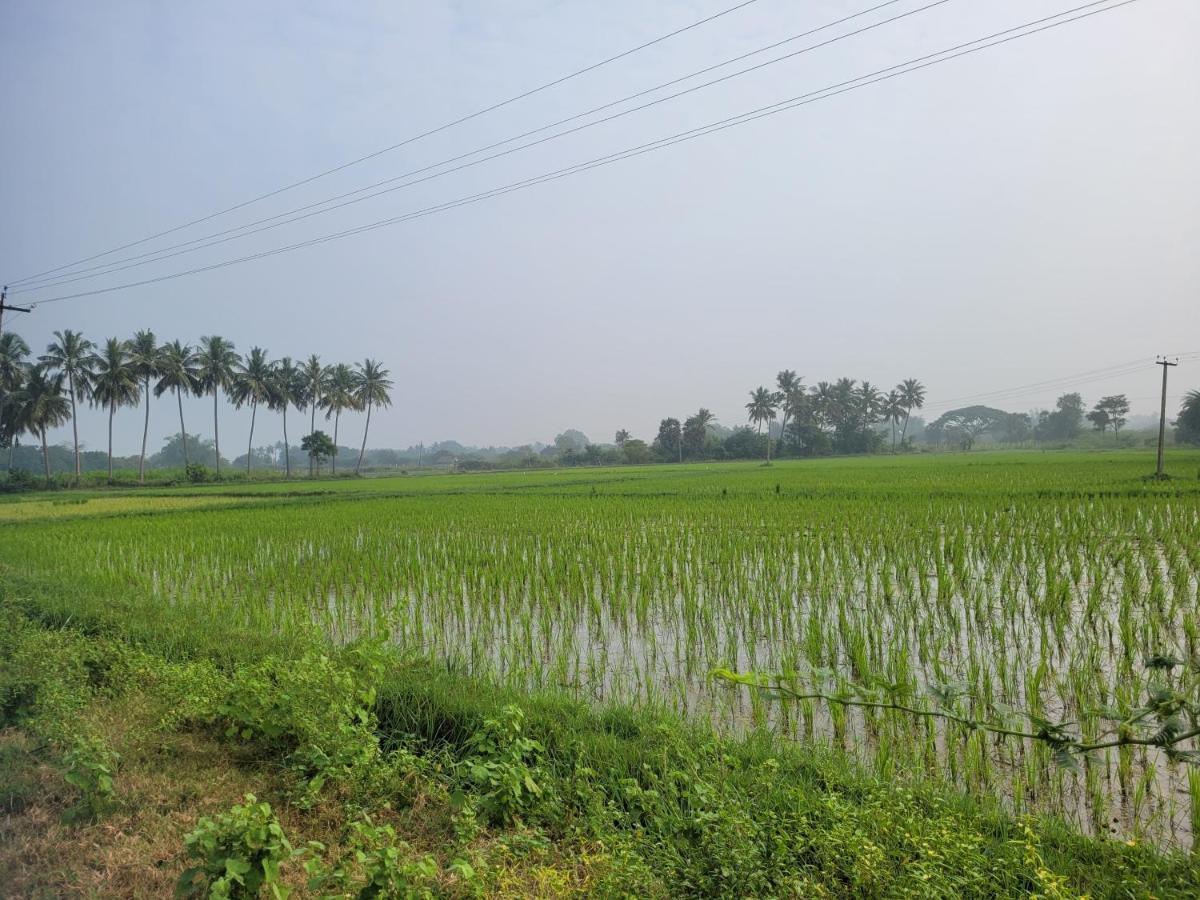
(144, 357)
(13, 370)
(670, 439)
(114, 384)
(71, 353)
(313, 378)
(571, 439)
(41, 404)
(1016, 428)
(1187, 424)
(912, 395)
(288, 390)
(636, 451)
(761, 409)
(788, 383)
(622, 436)
(172, 454)
(318, 446)
(216, 363)
(339, 397)
(966, 424)
(695, 429)
(893, 412)
(371, 387)
(798, 414)
(1110, 410)
(253, 383)
(1064, 422)
(178, 372)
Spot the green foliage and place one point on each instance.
(198, 473)
(502, 766)
(317, 710)
(239, 853)
(375, 864)
(90, 767)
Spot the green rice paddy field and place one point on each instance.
(1035, 584)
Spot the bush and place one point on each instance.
(240, 853)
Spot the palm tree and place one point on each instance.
(70, 353)
(254, 383)
(114, 384)
(762, 409)
(870, 401)
(787, 381)
(796, 403)
(288, 391)
(912, 395)
(313, 377)
(178, 372)
(144, 357)
(371, 386)
(893, 412)
(13, 370)
(339, 395)
(41, 405)
(216, 362)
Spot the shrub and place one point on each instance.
(240, 853)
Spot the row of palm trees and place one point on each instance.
(841, 406)
(38, 396)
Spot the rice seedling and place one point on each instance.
(1035, 586)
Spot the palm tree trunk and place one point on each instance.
(45, 455)
(333, 459)
(287, 453)
(182, 430)
(145, 434)
(904, 429)
(363, 449)
(216, 433)
(250, 443)
(312, 429)
(112, 408)
(74, 426)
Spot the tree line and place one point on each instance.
(842, 416)
(38, 395)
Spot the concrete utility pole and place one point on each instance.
(4, 305)
(1162, 419)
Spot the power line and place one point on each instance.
(354, 162)
(303, 212)
(876, 77)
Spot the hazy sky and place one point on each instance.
(1017, 215)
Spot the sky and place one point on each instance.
(1014, 217)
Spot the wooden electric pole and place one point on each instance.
(1162, 418)
(4, 305)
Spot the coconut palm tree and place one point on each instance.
(70, 353)
(762, 409)
(787, 381)
(313, 377)
(114, 384)
(144, 356)
(13, 370)
(893, 412)
(40, 404)
(339, 395)
(870, 401)
(288, 391)
(216, 362)
(253, 383)
(912, 395)
(371, 386)
(178, 372)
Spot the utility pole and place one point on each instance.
(1162, 419)
(5, 305)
